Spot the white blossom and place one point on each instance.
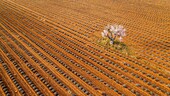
(105, 32)
(117, 30)
(111, 42)
(112, 29)
(120, 39)
(103, 35)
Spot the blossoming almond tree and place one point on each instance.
(113, 31)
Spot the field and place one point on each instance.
(50, 48)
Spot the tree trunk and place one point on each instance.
(112, 39)
(110, 36)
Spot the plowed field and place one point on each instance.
(47, 48)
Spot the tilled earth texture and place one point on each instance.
(49, 48)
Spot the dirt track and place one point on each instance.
(46, 48)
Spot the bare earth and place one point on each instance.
(48, 47)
